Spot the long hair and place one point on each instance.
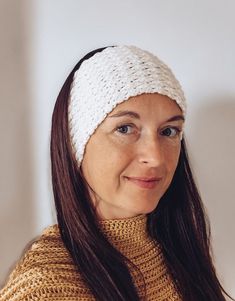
(179, 223)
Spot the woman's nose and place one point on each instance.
(151, 152)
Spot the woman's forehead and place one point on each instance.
(149, 102)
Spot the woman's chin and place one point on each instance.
(147, 208)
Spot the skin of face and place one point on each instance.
(135, 140)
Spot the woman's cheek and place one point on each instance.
(173, 159)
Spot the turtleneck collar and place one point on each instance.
(128, 235)
(125, 228)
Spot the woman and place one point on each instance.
(131, 225)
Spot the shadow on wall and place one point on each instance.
(212, 140)
(16, 173)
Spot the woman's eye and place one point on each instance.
(125, 129)
(171, 131)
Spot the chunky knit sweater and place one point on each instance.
(46, 271)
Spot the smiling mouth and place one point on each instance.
(148, 183)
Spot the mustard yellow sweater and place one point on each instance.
(46, 271)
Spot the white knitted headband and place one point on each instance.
(110, 77)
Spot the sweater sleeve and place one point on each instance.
(45, 272)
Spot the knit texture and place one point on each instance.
(109, 78)
(46, 271)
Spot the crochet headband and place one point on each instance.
(109, 78)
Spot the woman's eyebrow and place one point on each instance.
(175, 118)
(126, 113)
(137, 116)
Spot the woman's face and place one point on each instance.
(131, 158)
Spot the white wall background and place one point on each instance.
(40, 43)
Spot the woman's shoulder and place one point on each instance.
(46, 270)
(44, 251)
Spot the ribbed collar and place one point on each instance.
(125, 228)
(129, 235)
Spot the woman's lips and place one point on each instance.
(144, 182)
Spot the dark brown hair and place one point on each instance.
(179, 223)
